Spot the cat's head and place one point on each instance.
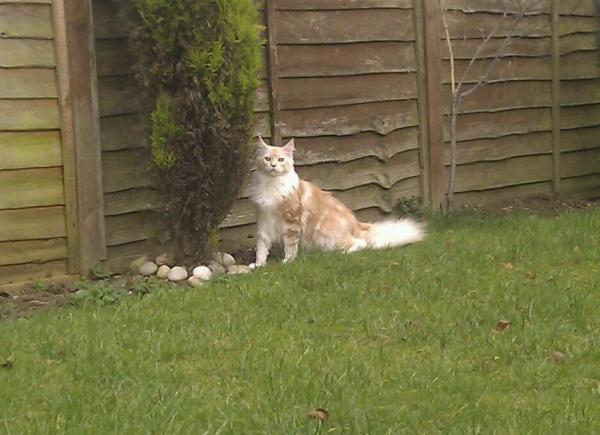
(275, 161)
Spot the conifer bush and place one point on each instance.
(199, 60)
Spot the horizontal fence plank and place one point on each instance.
(32, 224)
(26, 21)
(503, 194)
(502, 96)
(128, 228)
(475, 24)
(578, 7)
(506, 69)
(45, 2)
(580, 138)
(341, 149)
(343, 26)
(587, 186)
(489, 150)
(126, 169)
(22, 150)
(334, 91)
(526, 47)
(346, 59)
(578, 163)
(510, 172)
(35, 114)
(381, 118)
(580, 116)
(579, 92)
(583, 65)
(575, 24)
(342, 4)
(577, 42)
(121, 96)
(113, 58)
(32, 272)
(129, 201)
(334, 176)
(499, 124)
(28, 83)
(108, 23)
(32, 251)
(31, 188)
(124, 132)
(134, 249)
(498, 7)
(25, 53)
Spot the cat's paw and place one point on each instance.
(252, 266)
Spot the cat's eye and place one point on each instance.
(281, 159)
(268, 159)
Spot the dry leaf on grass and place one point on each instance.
(508, 266)
(502, 326)
(557, 356)
(531, 275)
(319, 413)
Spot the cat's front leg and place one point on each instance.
(291, 240)
(263, 245)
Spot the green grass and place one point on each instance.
(395, 341)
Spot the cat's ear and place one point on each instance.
(261, 143)
(289, 148)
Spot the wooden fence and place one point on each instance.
(362, 85)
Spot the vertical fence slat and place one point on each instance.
(273, 73)
(422, 101)
(433, 65)
(67, 135)
(555, 96)
(82, 104)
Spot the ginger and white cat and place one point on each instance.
(292, 211)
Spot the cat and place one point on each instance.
(295, 212)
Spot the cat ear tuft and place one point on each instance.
(261, 142)
(289, 148)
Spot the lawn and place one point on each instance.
(397, 341)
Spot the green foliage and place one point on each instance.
(199, 59)
(411, 206)
(165, 131)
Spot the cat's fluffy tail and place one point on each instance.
(388, 234)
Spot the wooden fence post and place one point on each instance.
(432, 63)
(76, 69)
(555, 97)
(273, 73)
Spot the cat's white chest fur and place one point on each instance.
(268, 193)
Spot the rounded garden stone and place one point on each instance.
(163, 271)
(177, 273)
(164, 260)
(224, 259)
(202, 273)
(216, 268)
(148, 268)
(195, 282)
